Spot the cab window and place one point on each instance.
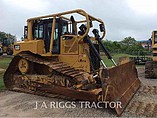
(56, 41)
(38, 31)
(155, 36)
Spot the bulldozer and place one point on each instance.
(60, 56)
(151, 66)
(6, 46)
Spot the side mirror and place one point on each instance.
(25, 31)
(102, 27)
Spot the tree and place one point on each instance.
(128, 41)
(130, 46)
(7, 35)
(112, 47)
(108, 45)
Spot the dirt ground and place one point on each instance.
(13, 104)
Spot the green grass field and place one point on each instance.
(115, 57)
(4, 62)
(1, 81)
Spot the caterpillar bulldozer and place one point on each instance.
(60, 55)
(151, 66)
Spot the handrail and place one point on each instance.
(79, 11)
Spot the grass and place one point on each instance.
(115, 57)
(1, 81)
(4, 62)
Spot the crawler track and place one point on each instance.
(151, 69)
(44, 75)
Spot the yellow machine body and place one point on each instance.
(72, 52)
(154, 45)
(151, 66)
(35, 46)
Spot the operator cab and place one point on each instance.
(43, 29)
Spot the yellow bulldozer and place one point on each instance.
(6, 46)
(151, 66)
(60, 55)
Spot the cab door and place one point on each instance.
(69, 44)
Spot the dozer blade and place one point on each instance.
(119, 84)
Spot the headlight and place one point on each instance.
(17, 47)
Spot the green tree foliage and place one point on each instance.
(113, 47)
(7, 35)
(131, 46)
(128, 45)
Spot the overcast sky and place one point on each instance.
(136, 18)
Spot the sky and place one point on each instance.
(122, 18)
